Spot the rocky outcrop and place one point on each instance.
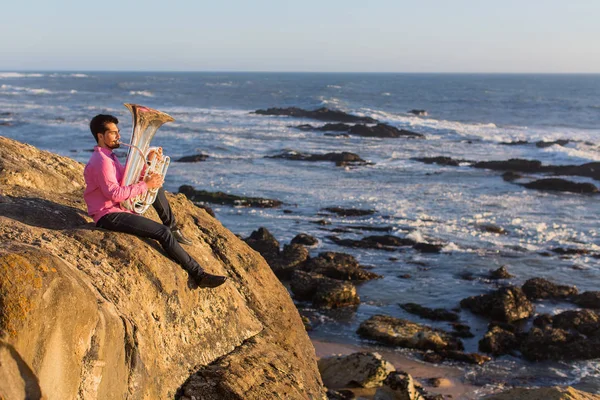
(540, 288)
(321, 114)
(194, 158)
(89, 313)
(362, 369)
(561, 185)
(340, 159)
(203, 196)
(349, 212)
(498, 341)
(339, 266)
(322, 291)
(435, 314)
(404, 333)
(589, 299)
(379, 130)
(398, 386)
(507, 304)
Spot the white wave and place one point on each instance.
(334, 86)
(219, 84)
(18, 90)
(11, 75)
(386, 94)
(145, 93)
(79, 75)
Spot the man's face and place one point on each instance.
(110, 137)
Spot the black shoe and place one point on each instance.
(206, 280)
(178, 235)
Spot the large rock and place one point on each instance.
(324, 292)
(550, 343)
(398, 386)
(540, 288)
(548, 393)
(339, 266)
(589, 299)
(321, 114)
(89, 313)
(498, 341)
(507, 304)
(561, 185)
(404, 333)
(363, 369)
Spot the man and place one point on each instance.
(104, 193)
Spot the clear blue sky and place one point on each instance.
(265, 35)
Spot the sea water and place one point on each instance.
(470, 116)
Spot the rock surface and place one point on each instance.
(321, 114)
(362, 369)
(89, 313)
(507, 304)
(203, 196)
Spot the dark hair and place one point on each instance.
(98, 124)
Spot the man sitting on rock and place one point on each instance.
(104, 193)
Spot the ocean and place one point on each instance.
(469, 116)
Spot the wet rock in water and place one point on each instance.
(498, 341)
(500, 273)
(515, 143)
(404, 333)
(561, 185)
(435, 314)
(322, 291)
(349, 212)
(428, 247)
(491, 228)
(589, 299)
(321, 114)
(421, 113)
(440, 161)
(398, 386)
(558, 344)
(586, 322)
(540, 288)
(227, 199)
(569, 251)
(455, 355)
(345, 158)
(506, 304)
(461, 330)
(382, 131)
(291, 258)
(265, 243)
(514, 164)
(194, 158)
(339, 266)
(385, 242)
(362, 369)
(545, 393)
(560, 142)
(304, 239)
(510, 176)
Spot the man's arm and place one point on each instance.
(112, 189)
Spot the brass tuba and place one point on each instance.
(146, 122)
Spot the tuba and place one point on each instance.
(146, 122)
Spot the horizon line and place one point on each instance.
(301, 72)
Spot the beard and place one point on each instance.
(113, 145)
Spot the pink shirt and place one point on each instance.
(103, 192)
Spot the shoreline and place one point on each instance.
(420, 371)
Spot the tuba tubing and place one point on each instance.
(146, 122)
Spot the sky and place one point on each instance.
(530, 36)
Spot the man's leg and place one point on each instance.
(144, 227)
(163, 209)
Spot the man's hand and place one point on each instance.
(158, 153)
(153, 181)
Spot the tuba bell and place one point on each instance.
(146, 122)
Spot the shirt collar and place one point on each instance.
(102, 150)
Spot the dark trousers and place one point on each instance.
(144, 227)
